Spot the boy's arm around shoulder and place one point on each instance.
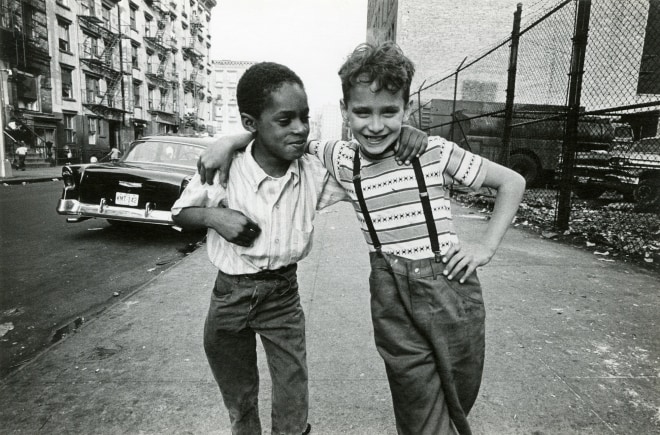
(217, 157)
(510, 188)
(200, 206)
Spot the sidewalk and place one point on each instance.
(32, 175)
(572, 348)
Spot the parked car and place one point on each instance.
(631, 169)
(141, 187)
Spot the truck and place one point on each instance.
(536, 146)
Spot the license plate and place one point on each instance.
(129, 199)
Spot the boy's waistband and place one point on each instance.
(286, 270)
(406, 266)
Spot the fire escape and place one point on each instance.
(191, 81)
(158, 72)
(109, 103)
(24, 49)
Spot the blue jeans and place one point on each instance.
(430, 333)
(267, 304)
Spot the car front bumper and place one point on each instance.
(81, 211)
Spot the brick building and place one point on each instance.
(113, 71)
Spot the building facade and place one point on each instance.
(117, 70)
(225, 76)
(25, 77)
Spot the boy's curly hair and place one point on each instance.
(385, 65)
(259, 82)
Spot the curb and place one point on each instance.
(29, 180)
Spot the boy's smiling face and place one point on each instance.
(375, 116)
(282, 128)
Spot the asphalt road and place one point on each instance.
(55, 275)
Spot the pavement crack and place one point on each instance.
(577, 395)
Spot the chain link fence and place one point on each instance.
(572, 102)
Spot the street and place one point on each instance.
(55, 275)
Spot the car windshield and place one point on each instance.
(170, 153)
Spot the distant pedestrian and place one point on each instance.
(21, 152)
(114, 154)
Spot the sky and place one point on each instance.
(312, 37)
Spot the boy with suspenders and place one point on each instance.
(426, 302)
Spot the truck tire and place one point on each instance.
(647, 195)
(526, 166)
(588, 191)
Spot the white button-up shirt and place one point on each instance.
(284, 208)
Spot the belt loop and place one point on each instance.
(438, 257)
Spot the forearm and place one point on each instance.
(505, 208)
(192, 218)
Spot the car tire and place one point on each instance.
(647, 195)
(588, 191)
(526, 166)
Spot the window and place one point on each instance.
(67, 82)
(92, 89)
(232, 76)
(147, 25)
(163, 99)
(63, 35)
(134, 57)
(92, 124)
(90, 47)
(69, 127)
(132, 14)
(137, 89)
(105, 13)
(150, 97)
(87, 7)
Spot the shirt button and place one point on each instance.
(277, 240)
(277, 206)
(417, 270)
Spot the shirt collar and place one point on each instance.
(256, 175)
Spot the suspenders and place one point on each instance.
(423, 196)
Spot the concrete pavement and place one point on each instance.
(31, 175)
(572, 348)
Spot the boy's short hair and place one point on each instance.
(259, 82)
(384, 64)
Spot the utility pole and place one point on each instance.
(5, 166)
(574, 93)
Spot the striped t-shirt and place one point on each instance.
(392, 195)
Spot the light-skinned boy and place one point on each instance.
(259, 227)
(426, 301)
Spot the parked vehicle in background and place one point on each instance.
(632, 169)
(535, 146)
(141, 187)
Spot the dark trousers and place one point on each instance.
(430, 333)
(267, 304)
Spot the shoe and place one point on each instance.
(308, 429)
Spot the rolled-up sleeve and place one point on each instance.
(197, 194)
